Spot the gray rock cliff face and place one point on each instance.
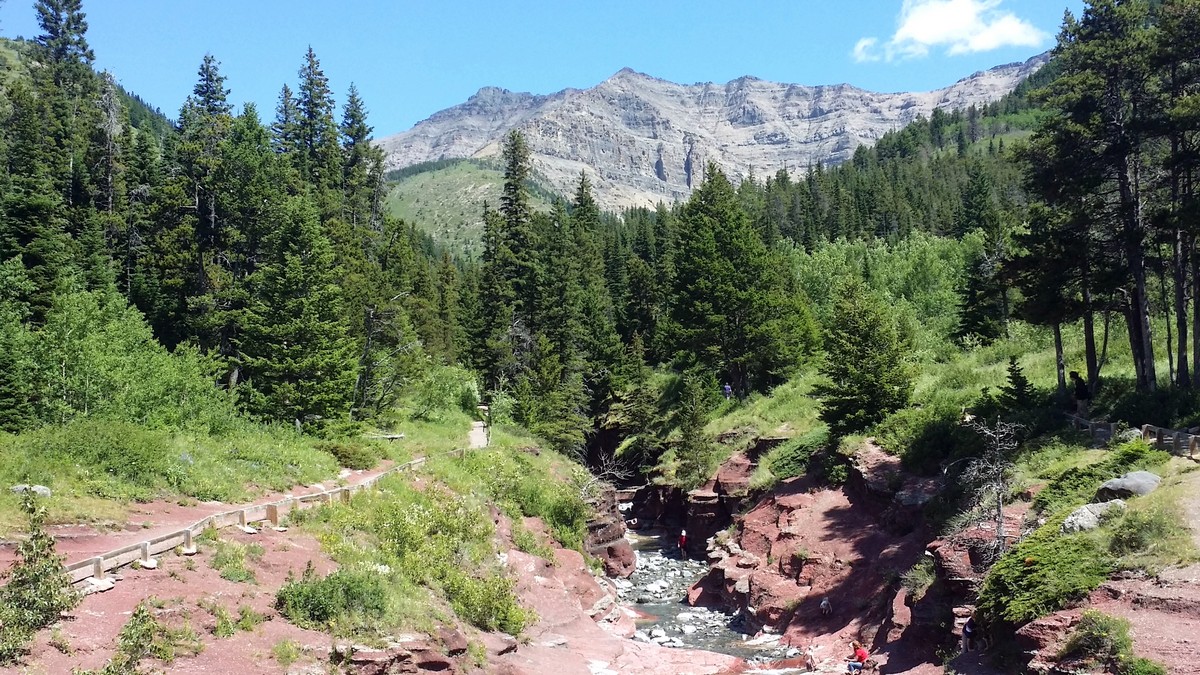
(642, 140)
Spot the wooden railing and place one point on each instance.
(1175, 441)
(143, 552)
(1171, 440)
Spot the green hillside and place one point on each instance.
(445, 200)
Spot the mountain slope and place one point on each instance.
(643, 140)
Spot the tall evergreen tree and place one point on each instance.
(1099, 109)
(285, 130)
(867, 377)
(298, 360)
(731, 313)
(320, 157)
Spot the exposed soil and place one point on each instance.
(1163, 611)
(151, 519)
(182, 583)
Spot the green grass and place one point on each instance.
(287, 652)
(788, 410)
(447, 203)
(429, 543)
(95, 467)
(231, 560)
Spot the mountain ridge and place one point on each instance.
(642, 139)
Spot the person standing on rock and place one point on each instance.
(683, 543)
(858, 660)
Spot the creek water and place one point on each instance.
(658, 589)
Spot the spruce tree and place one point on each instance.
(361, 164)
(732, 312)
(320, 158)
(285, 130)
(518, 230)
(298, 360)
(865, 370)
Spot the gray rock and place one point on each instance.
(1128, 435)
(39, 490)
(642, 137)
(1087, 517)
(1132, 484)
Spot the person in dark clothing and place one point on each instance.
(1083, 395)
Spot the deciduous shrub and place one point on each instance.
(352, 455)
(924, 437)
(347, 596)
(486, 602)
(1104, 640)
(1138, 531)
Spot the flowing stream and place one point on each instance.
(658, 588)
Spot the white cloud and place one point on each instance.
(958, 26)
(864, 50)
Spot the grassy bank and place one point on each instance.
(422, 550)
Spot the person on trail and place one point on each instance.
(683, 542)
(1082, 394)
(858, 660)
(727, 390)
(968, 636)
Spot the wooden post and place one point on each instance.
(189, 546)
(146, 561)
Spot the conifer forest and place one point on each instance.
(216, 303)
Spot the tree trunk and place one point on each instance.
(1162, 297)
(1060, 361)
(1179, 259)
(1195, 251)
(1089, 338)
(1140, 337)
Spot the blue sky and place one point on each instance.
(410, 59)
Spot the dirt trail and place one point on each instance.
(183, 584)
(479, 436)
(1163, 611)
(152, 519)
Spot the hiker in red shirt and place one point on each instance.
(856, 663)
(683, 543)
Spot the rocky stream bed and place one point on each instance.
(657, 590)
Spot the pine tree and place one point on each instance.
(33, 217)
(731, 313)
(1018, 392)
(299, 362)
(518, 233)
(16, 361)
(285, 131)
(694, 450)
(1095, 135)
(320, 158)
(867, 377)
(362, 164)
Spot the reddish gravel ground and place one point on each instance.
(182, 584)
(148, 520)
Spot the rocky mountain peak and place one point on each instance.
(643, 140)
